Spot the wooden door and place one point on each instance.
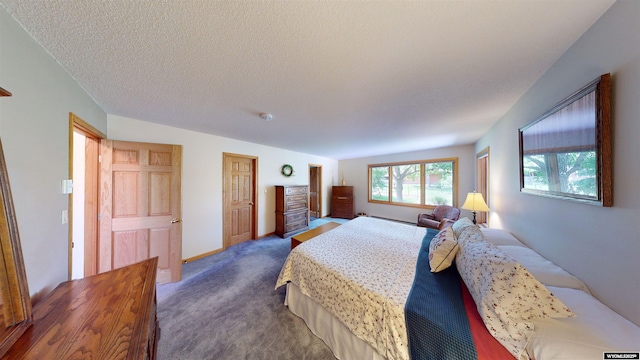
(140, 206)
(314, 191)
(239, 198)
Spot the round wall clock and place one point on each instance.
(287, 170)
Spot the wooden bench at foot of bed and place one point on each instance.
(302, 237)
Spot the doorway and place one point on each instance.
(84, 147)
(125, 205)
(482, 182)
(315, 192)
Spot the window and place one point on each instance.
(422, 184)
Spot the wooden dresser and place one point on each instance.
(106, 316)
(292, 209)
(342, 202)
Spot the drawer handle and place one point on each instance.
(342, 198)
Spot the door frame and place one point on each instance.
(318, 188)
(254, 183)
(482, 179)
(91, 204)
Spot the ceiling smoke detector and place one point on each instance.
(266, 116)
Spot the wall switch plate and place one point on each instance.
(67, 186)
(65, 216)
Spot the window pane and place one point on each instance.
(578, 173)
(572, 172)
(439, 183)
(535, 172)
(380, 183)
(406, 183)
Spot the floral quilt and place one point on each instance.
(362, 273)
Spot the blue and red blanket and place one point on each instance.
(442, 319)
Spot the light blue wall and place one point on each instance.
(34, 125)
(599, 245)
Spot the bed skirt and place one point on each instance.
(341, 341)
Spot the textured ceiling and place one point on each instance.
(343, 79)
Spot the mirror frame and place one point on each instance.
(12, 275)
(603, 153)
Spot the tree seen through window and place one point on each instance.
(427, 183)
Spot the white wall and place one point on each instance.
(34, 125)
(202, 177)
(599, 245)
(356, 174)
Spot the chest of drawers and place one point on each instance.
(342, 202)
(108, 316)
(292, 209)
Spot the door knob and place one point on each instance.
(173, 221)
(251, 203)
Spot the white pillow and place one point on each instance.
(500, 237)
(508, 297)
(460, 225)
(470, 234)
(442, 250)
(595, 330)
(544, 270)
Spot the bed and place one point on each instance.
(351, 286)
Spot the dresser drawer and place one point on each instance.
(290, 206)
(295, 190)
(296, 225)
(297, 198)
(342, 200)
(295, 217)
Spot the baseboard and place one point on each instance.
(394, 220)
(266, 235)
(184, 261)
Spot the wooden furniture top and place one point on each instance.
(302, 237)
(342, 191)
(104, 316)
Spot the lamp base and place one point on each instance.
(474, 217)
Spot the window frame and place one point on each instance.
(421, 205)
(601, 88)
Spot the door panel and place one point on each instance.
(140, 212)
(129, 247)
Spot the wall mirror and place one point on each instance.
(566, 152)
(15, 305)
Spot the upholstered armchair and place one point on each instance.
(442, 216)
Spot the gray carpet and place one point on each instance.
(226, 307)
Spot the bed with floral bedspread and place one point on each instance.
(362, 273)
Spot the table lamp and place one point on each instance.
(475, 203)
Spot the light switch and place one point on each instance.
(65, 216)
(67, 186)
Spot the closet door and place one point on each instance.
(140, 206)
